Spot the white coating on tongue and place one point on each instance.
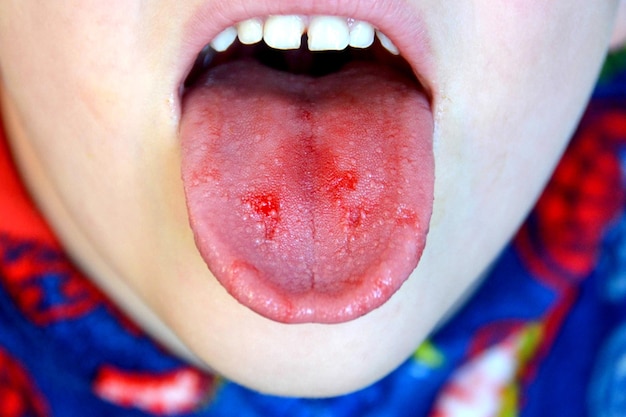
(309, 198)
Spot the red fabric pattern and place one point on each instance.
(586, 194)
(19, 397)
(33, 271)
(174, 392)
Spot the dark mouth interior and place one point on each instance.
(297, 61)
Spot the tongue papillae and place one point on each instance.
(309, 198)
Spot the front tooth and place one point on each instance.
(250, 31)
(361, 35)
(328, 33)
(283, 32)
(386, 42)
(224, 39)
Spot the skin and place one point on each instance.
(91, 107)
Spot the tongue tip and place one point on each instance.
(314, 307)
(310, 307)
(349, 302)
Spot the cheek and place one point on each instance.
(515, 84)
(104, 136)
(535, 66)
(512, 88)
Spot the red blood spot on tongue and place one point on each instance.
(266, 207)
(309, 198)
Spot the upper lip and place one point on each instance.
(400, 21)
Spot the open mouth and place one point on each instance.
(308, 166)
(315, 46)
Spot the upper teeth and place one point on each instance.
(250, 31)
(283, 32)
(328, 32)
(324, 33)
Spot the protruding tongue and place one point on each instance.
(309, 198)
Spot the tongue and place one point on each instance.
(309, 198)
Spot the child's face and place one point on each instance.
(92, 103)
